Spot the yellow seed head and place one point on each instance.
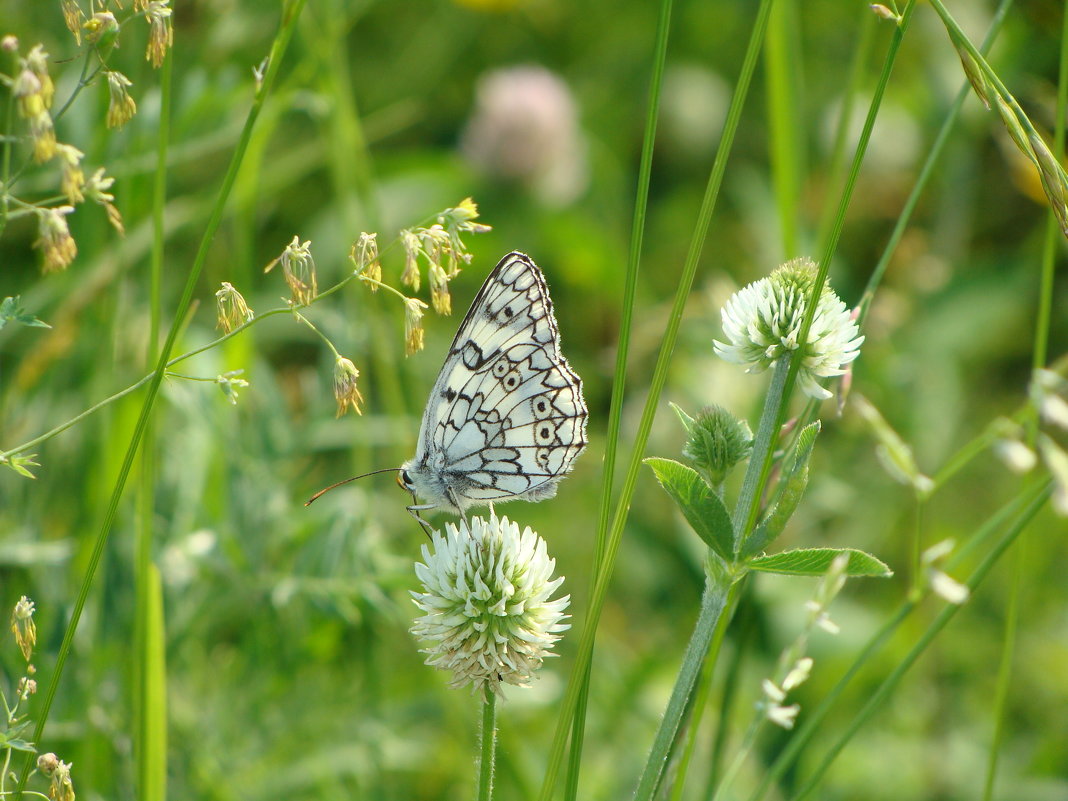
(345, 392)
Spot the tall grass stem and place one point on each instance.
(290, 13)
(619, 376)
(667, 345)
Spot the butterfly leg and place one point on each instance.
(414, 511)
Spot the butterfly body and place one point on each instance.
(506, 418)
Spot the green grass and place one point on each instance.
(202, 634)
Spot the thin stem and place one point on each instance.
(148, 784)
(600, 587)
(890, 683)
(188, 355)
(704, 691)
(756, 472)
(319, 333)
(290, 13)
(619, 380)
(926, 171)
(5, 170)
(1039, 355)
(488, 750)
(715, 599)
(812, 720)
(1004, 680)
(836, 162)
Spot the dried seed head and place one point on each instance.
(73, 16)
(121, 107)
(54, 240)
(364, 257)
(96, 189)
(161, 35)
(23, 627)
(345, 392)
(231, 309)
(37, 62)
(298, 269)
(413, 325)
(439, 289)
(412, 249)
(73, 179)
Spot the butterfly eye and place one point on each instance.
(404, 480)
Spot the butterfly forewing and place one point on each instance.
(506, 417)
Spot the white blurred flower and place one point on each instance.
(525, 128)
(783, 716)
(942, 584)
(798, 673)
(763, 322)
(1016, 456)
(488, 616)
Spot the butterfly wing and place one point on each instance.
(506, 418)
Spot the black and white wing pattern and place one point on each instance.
(506, 418)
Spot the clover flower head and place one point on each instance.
(486, 598)
(763, 322)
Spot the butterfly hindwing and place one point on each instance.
(506, 417)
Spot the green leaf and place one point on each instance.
(794, 485)
(18, 462)
(11, 311)
(685, 419)
(816, 562)
(702, 507)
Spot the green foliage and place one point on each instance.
(701, 506)
(817, 561)
(273, 624)
(793, 487)
(11, 311)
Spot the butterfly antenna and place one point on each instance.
(325, 490)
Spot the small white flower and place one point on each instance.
(488, 616)
(772, 691)
(763, 322)
(1016, 456)
(783, 715)
(798, 673)
(947, 587)
(938, 551)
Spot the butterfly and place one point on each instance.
(506, 418)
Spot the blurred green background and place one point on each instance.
(291, 673)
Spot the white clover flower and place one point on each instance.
(763, 321)
(486, 589)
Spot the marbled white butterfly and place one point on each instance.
(506, 418)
